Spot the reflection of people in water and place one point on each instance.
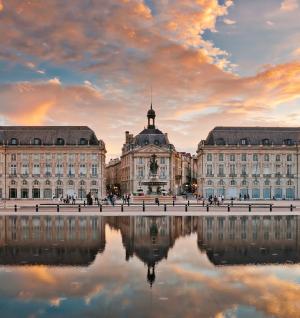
(151, 275)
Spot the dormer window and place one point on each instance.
(14, 141)
(156, 142)
(60, 141)
(83, 141)
(37, 141)
(266, 142)
(244, 141)
(288, 142)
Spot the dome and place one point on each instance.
(151, 112)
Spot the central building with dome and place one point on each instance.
(147, 161)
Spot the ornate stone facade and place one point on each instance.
(45, 161)
(137, 152)
(250, 162)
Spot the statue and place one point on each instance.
(153, 165)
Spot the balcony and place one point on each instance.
(82, 175)
(94, 175)
(221, 175)
(36, 175)
(209, 175)
(25, 175)
(244, 175)
(59, 175)
(48, 174)
(71, 175)
(12, 175)
(256, 175)
(278, 175)
(267, 175)
(232, 175)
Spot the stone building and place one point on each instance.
(40, 162)
(136, 158)
(250, 162)
(113, 176)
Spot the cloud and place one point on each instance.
(1, 5)
(289, 5)
(229, 21)
(55, 81)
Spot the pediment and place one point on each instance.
(152, 149)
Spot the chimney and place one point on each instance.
(126, 137)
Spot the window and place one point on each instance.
(244, 170)
(255, 157)
(13, 157)
(221, 182)
(278, 182)
(162, 160)
(232, 157)
(14, 141)
(83, 141)
(232, 170)
(221, 157)
(37, 141)
(82, 182)
(288, 142)
(266, 142)
(93, 182)
(70, 182)
(244, 141)
(48, 169)
(25, 169)
(266, 157)
(47, 182)
(209, 157)
(36, 169)
(140, 172)
(24, 182)
(277, 157)
(289, 157)
(244, 157)
(82, 169)
(13, 169)
(209, 170)
(59, 182)
(162, 172)
(209, 182)
(36, 182)
(289, 170)
(232, 182)
(94, 169)
(71, 170)
(244, 182)
(82, 156)
(140, 160)
(94, 156)
(156, 142)
(59, 169)
(221, 170)
(60, 141)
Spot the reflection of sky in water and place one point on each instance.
(186, 282)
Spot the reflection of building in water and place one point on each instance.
(50, 240)
(250, 240)
(150, 238)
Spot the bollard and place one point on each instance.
(203, 203)
(79, 208)
(165, 207)
(186, 208)
(271, 207)
(57, 208)
(291, 208)
(122, 208)
(84, 203)
(228, 208)
(207, 208)
(36, 208)
(15, 208)
(249, 207)
(188, 202)
(100, 207)
(173, 203)
(143, 206)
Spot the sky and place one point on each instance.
(93, 62)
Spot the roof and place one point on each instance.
(151, 136)
(48, 135)
(253, 135)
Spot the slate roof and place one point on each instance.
(151, 136)
(48, 135)
(253, 135)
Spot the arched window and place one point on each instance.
(94, 182)
(289, 183)
(266, 142)
(221, 182)
(209, 182)
(156, 142)
(244, 182)
(83, 141)
(244, 141)
(289, 157)
(24, 182)
(256, 182)
(14, 141)
(232, 182)
(47, 182)
(70, 182)
(13, 182)
(36, 182)
(277, 157)
(266, 157)
(59, 182)
(60, 141)
(82, 182)
(267, 182)
(278, 182)
(37, 141)
(288, 142)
